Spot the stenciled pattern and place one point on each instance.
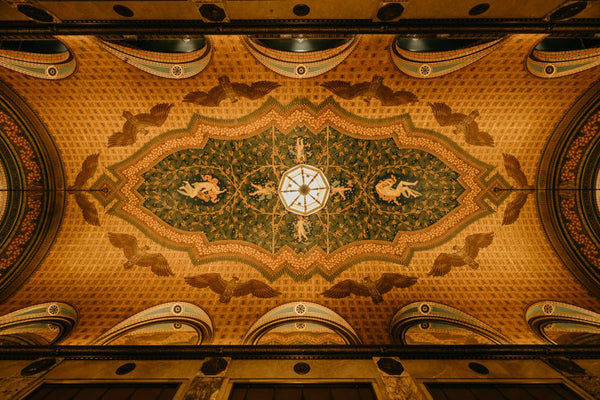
(570, 215)
(367, 203)
(432, 64)
(211, 189)
(30, 218)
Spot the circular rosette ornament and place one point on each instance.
(303, 190)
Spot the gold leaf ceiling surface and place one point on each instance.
(518, 269)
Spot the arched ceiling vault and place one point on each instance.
(396, 238)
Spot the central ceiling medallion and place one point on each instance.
(303, 190)
(300, 189)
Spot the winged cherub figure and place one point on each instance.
(137, 255)
(514, 171)
(232, 288)
(230, 90)
(463, 124)
(369, 288)
(463, 255)
(371, 90)
(88, 209)
(138, 123)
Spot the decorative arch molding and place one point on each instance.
(176, 59)
(44, 59)
(562, 323)
(571, 218)
(160, 323)
(433, 57)
(557, 57)
(431, 317)
(32, 210)
(39, 325)
(300, 65)
(301, 313)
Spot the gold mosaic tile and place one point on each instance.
(518, 269)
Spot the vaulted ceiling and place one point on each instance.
(404, 189)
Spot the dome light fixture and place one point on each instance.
(303, 190)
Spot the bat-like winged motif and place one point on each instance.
(514, 171)
(464, 255)
(138, 123)
(88, 209)
(369, 288)
(230, 90)
(232, 288)
(88, 169)
(137, 255)
(369, 90)
(463, 124)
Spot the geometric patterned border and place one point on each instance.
(300, 65)
(571, 161)
(301, 312)
(475, 176)
(51, 66)
(563, 316)
(34, 210)
(167, 313)
(428, 313)
(165, 65)
(432, 64)
(39, 318)
(556, 64)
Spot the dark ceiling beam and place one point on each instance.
(303, 352)
(195, 27)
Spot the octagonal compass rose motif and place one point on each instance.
(303, 190)
(300, 189)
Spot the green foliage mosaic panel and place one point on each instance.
(228, 189)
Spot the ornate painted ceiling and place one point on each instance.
(174, 194)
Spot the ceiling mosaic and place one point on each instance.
(212, 189)
(30, 207)
(174, 194)
(571, 217)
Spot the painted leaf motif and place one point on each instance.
(237, 165)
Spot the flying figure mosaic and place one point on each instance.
(312, 196)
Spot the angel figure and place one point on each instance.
(266, 191)
(207, 190)
(338, 189)
(387, 192)
(300, 150)
(301, 228)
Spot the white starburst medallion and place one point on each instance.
(303, 189)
